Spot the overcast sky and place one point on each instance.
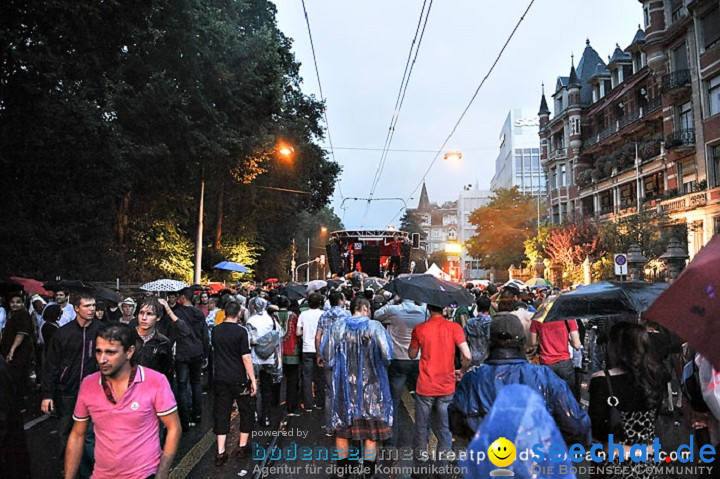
(362, 47)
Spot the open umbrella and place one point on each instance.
(231, 266)
(603, 299)
(167, 285)
(691, 305)
(271, 281)
(32, 286)
(374, 283)
(68, 285)
(106, 294)
(295, 291)
(335, 282)
(426, 288)
(316, 285)
(538, 283)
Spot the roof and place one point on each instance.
(573, 79)
(587, 66)
(619, 56)
(638, 39)
(543, 106)
(601, 71)
(424, 203)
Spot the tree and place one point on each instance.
(570, 244)
(535, 245)
(644, 230)
(410, 223)
(439, 258)
(502, 226)
(106, 133)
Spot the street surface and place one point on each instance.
(196, 455)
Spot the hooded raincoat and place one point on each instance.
(481, 385)
(358, 351)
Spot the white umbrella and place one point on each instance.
(316, 285)
(164, 285)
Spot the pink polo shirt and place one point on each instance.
(127, 435)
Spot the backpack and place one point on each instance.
(691, 387)
(268, 343)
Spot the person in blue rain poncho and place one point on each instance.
(518, 415)
(507, 364)
(358, 351)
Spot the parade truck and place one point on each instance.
(378, 253)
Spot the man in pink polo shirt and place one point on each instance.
(124, 403)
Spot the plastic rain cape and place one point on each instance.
(358, 351)
(519, 415)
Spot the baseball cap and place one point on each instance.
(506, 327)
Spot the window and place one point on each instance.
(518, 162)
(710, 28)
(606, 202)
(646, 14)
(553, 179)
(688, 187)
(677, 10)
(563, 175)
(714, 95)
(679, 58)
(716, 224)
(575, 126)
(654, 186)
(715, 162)
(685, 117)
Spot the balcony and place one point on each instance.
(558, 153)
(680, 139)
(683, 203)
(675, 80)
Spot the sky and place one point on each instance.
(362, 47)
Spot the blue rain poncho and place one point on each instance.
(358, 351)
(477, 333)
(482, 384)
(519, 414)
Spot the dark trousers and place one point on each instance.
(269, 394)
(566, 371)
(189, 389)
(224, 395)
(312, 373)
(292, 386)
(401, 372)
(64, 406)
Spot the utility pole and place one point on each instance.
(637, 177)
(292, 262)
(307, 276)
(198, 241)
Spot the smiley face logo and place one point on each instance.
(502, 452)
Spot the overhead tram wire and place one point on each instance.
(322, 95)
(409, 66)
(457, 123)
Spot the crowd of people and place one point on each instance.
(131, 373)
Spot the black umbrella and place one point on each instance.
(374, 283)
(604, 299)
(335, 282)
(426, 288)
(295, 291)
(106, 294)
(68, 285)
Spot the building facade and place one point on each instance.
(470, 199)
(518, 161)
(642, 131)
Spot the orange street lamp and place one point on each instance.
(323, 229)
(285, 150)
(452, 155)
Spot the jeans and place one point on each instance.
(189, 396)
(292, 386)
(311, 372)
(269, 393)
(400, 372)
(566, 371)
(423, 406)
(328, 399)
(64, 406)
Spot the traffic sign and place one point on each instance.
(620, 260)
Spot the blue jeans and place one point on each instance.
(311, 372)
(189, 387)
(400, 372)
(423, 407)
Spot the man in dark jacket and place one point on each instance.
(152, 349)
(68, 359)
(507, 364)
(191, 352)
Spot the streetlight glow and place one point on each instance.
(323, 229)
(453, 155)
(285, 150)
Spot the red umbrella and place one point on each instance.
(32, 286)
(691, 305)
(271, 281)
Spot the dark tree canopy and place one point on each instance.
(111, 114)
